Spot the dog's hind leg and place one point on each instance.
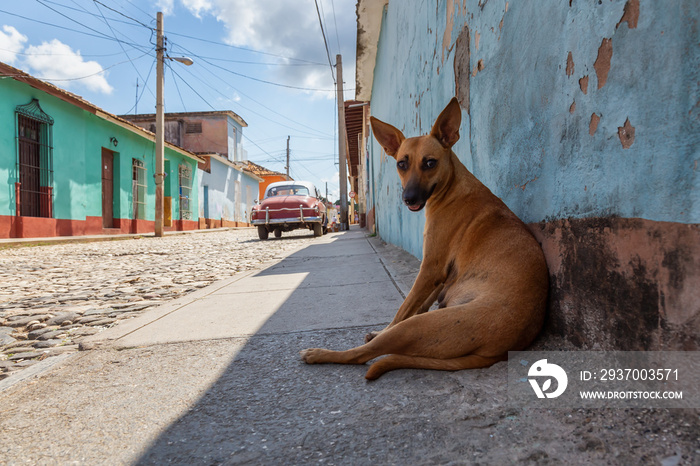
(398, 361)
(443, 334)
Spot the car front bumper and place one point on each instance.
(288, 221)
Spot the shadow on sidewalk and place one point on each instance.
(269, 407)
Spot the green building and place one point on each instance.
(69, 168)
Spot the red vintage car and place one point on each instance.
(287, 206)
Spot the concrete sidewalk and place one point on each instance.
(338, 282)
(215, 378)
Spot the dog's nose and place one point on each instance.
(410, 196)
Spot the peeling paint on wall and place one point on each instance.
(630, 14)
(626, 134)
(593, 126)
(447, 35)
(602, 63)
(479, 67)
(583, 83)
(569, 64)
(461, 67)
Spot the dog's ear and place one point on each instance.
(387, 136)
(446, 127)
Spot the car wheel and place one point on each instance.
(262, 232)
(318, 229)
(278, 233)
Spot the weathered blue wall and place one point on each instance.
(223, 203)
(528, 133)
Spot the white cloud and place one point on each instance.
(11, 43)
(165, 6)
(57, 62)
(290, 29)
(197, 7)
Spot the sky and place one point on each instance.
(266, 60)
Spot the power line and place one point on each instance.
(60, 54)
(99, 36)
(337, 38)
(150, 15)
(269, 82)
(120, 13)
(250, 98)
(212, 107)
(241, 48)
(325, 42)
(193, 90)
(78, 78)
(119, 42)
(261, 62)
(145, 84)
(178, 88)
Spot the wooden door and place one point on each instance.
(107, 189)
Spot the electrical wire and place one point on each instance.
(325, 42)
(77, 78)
(100, 36)
(241, 48)
(145, 84)
(120, 44)
(335, 21)
(244, 62)
(60, 54)
(250, 98)
(170, 66)
(120, 13)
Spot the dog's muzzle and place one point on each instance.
(415, 198)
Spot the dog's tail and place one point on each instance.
(398, 361)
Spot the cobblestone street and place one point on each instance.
(53, 296)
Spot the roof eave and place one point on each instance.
(369, 25)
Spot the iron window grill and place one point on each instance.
(193, 128)
(185, 192)
(34, 188)
(138, 187)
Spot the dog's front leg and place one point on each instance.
(423, 294)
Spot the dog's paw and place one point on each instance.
(370, 336)
(310, 355)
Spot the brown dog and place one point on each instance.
(480, 262)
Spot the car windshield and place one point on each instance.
(288, 190)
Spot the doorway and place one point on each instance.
(167, 197)
(107, 188)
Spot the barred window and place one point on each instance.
(34, 188)
(138, 188)
(185, 192)
(195, 127)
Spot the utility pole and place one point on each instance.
(160, 118)
(288, 156)
(160, 136)
(343, 175)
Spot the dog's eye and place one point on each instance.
(429, 163)
(402, 165)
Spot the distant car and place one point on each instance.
(287, 206)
